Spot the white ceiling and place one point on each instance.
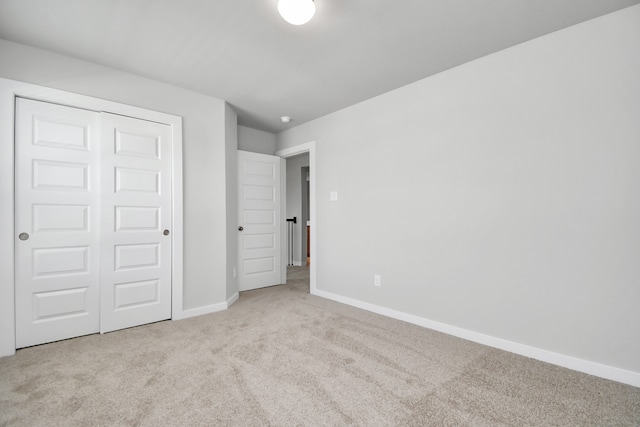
(243, 52)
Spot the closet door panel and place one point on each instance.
(56, 222)
(136, 222)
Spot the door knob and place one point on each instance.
(240, 228)
(23, 236)
(165, 232)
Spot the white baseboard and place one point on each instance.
(233, 299)
(570, 362)
(207, 309)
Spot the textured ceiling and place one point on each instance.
(243, 52)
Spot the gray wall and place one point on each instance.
(500, 196)
(256, 141)
(294, 202)
(205, 160)
(231, 152)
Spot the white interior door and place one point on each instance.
(56, 222)
(136, 222)
(259, 221)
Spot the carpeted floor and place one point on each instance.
(280, 357)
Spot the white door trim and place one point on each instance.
(9, 90)
(309, 147)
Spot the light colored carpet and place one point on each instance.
(280, 356)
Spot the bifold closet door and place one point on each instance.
(56, 222)
(136, 222)
(92, 222)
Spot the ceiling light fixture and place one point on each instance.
(297, 12)
(285, 119)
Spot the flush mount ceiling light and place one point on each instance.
(297, 12)
(285, 119)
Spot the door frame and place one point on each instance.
(305, 183)
(9, 90)
(309, 147)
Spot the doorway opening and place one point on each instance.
(298, 224)
(302, 161)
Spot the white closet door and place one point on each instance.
(56, 222)
(136, 222)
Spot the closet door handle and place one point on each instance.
(165, 232)
(240, 228)
(23, 236)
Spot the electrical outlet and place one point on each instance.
(377, 280)
(235, 273)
